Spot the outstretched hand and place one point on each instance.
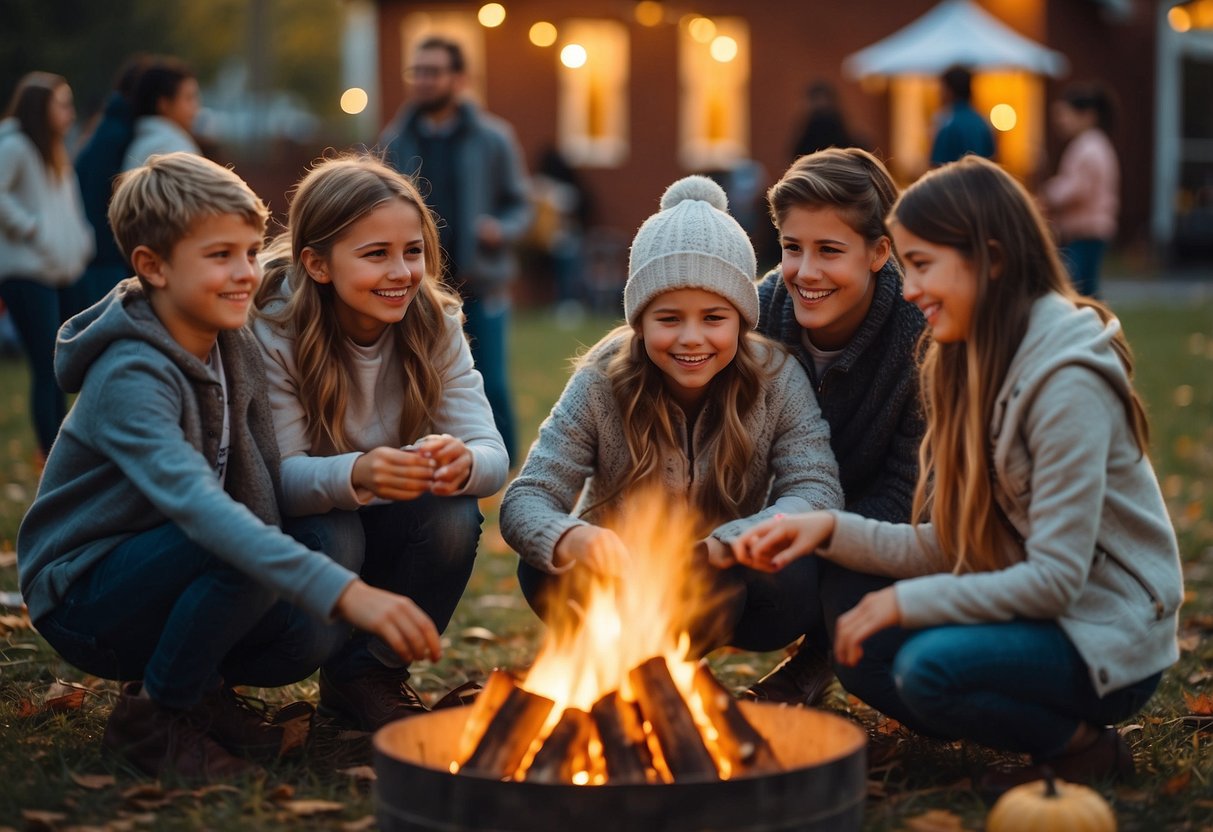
(875, 612)
(394, 473)
(774, 543)
(394, 618)
(599, 550)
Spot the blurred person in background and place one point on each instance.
(1083, 199)
(962, 130)
(98, 162)
(44, 238)
(166, 103)
(824, 126)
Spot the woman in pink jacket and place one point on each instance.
(1084, 197)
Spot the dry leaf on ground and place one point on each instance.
(39, 819)
(92, 781)
(936, 820)
(477, 634)
(1200, 704)
(360, 825)
(359, 772)
(1176, 784)
(305, 808)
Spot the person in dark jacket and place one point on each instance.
(836, 304)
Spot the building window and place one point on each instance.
(714, 73)
(592, 68)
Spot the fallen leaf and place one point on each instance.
(478, 634)
(92, 781)
(281, 792)
(936, 820)
(1201, 705)
(39, 819)
(8, 559)
(62, 704)
(1176, 784)
(142, 791)
(359, 825)
(1200, 676)
(305, 808)
(212, 789)
(359, 773)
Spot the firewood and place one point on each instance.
(748, 751)
(566, 750)
(623, 745)
(661, 703)
(510, 734)
(496, 689)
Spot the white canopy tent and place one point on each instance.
(956, 32)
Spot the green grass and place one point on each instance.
(40, 753)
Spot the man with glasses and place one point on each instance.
(474, 178)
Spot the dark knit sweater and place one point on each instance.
(869, 396)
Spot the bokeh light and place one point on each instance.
(723, 49)
(543, 33)
(491, 15)
(353, 101)
(573, 55)
(702, 29)
(1003, 117)
(649, 13)
(1179, 19)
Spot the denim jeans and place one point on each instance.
(1083, 259)
(487, 327)
(423, 548)
(36, 311)
(162, 609)
(757, 611)
(1014, 686)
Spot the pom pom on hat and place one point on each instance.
(692, 243)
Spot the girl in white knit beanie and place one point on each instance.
(687, 398)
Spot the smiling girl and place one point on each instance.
(387, 438)
(1041, 580)
(835, 302)
(684, 397)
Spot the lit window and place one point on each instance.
(714, 69)
(593, 76)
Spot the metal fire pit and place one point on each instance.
(822, 786)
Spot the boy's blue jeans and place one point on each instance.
(423, 548)
(1015, 686)
(162, 609)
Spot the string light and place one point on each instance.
(543, 33)
(491, 15)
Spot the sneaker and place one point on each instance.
(244, 726)
(162, 741)
(1107, 758)
(371, 700)
(801, 679)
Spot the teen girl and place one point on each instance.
(1042, 581)
(386, 436)
(835, 302)
(683, 397)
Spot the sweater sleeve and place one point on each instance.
(465, 413)
(537, 508)
(146, 442)
(891, 496)
(310, 484)
(1068, 435)
(1074, 180)
(15, 220)
(804, 472)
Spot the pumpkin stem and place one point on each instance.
(1050, 785)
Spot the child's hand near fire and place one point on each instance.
(598, 549)
(773, 544)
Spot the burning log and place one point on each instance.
(566, 750)
(672, 724)
(623, 745)
(509, 734)
(496, 689)
(748, 751)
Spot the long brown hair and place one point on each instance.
(30, 106)
(332, 196)
(646, 417)
(978, 209)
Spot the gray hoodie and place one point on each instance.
(139, 450)
(1098, 556)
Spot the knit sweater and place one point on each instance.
(316, 480)
(869, 396)
(581, 456)
(1099, 555)
(139, 449)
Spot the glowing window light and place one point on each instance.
(649, 13)
(1179, 19)
(723, 49)
(573, 56)
(491, 15)
(1003, 117)
(543, 33)
(702, 29)
(353, 101)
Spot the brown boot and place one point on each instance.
(1106, 758)
(801, 679)
(163, 741)
(243, 724)
(372, 700)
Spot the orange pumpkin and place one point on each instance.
(1051, 806)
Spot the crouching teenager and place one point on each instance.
(151, 551)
